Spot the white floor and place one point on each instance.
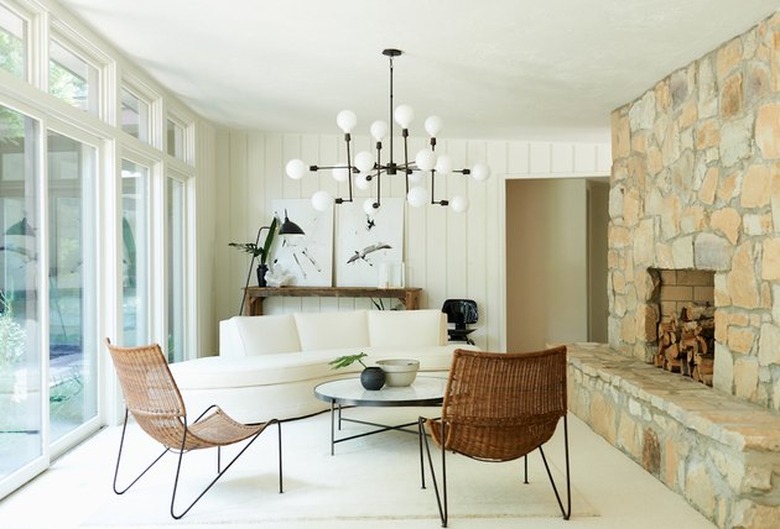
(621, 491)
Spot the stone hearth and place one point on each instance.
(719, 453)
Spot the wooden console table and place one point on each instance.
(253, 304)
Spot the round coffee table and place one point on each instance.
(424, 391)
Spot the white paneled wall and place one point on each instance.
(447, 254)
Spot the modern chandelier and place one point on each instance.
(368, 168)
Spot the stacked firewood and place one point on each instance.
(686, 344)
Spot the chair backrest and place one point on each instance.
(501, 406)
(150, 392)
(460, 311)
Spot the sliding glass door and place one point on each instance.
(136, 245)
(72, 286)
(21, 362)
(175, 269)
(48, 345)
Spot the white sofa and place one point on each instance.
(268, 366)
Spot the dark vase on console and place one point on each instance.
(372, 378)
(261, 270)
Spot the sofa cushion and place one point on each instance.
(258, 335)
(332, 330)
(407, 328)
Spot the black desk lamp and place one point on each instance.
(287, 229)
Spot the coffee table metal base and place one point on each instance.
(425, 391)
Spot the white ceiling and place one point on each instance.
(513, 69)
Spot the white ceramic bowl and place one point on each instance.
(399, 372)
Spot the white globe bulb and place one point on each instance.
(364, 161)
(341, 174)
(321, 200)
(404, 115)
(480, 172)
(425, 160)
(346, 120)
(379, 130)
(295, 169)
(459, 204)
(368, 206)
(417, 196)
(443, 164)
(415, 176)
(361, 182)
(433, 126)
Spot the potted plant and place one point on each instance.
(372, 378)
(259, 252)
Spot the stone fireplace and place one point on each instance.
(695, 187)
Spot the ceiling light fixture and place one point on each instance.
(367, 168)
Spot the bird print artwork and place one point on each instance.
(365, 252)
(364, 242)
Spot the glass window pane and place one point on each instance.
(72, 79)
(175, 270)
(174, 139)
(134, 115)
(135, 254)
(72, 287)
(20, 348)
(13, 52)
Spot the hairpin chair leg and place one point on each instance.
(119, 459)
(177, 516)
(566, 512)
(420, 435)
(441, 499)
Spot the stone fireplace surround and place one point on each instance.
(696, 186)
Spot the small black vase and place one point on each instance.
(261, 270)
(372, 378)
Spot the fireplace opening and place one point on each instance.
(686, 327)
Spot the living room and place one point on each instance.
(219, 170)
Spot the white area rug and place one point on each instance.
(372, 478)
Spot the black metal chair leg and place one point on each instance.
(279, 435)
(420, 435)
(119, 459)
(442, 506)
(220, 474)
(566, 512)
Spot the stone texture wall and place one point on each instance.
(696, 185)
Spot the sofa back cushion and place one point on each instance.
(258, 335)
(332, 330)
(400, 328)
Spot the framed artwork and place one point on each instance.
(307, 260)
(365, 244)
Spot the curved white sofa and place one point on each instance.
(268, 366)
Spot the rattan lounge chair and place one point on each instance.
(499, 407)
(153, 399)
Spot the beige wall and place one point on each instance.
(548, 262)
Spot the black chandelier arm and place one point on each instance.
(378, 168)
(315, 168)
(351, 170)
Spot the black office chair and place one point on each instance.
(460, 312)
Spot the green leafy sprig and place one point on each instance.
(347, 360)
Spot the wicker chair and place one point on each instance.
(152, 397)
(499, 407)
